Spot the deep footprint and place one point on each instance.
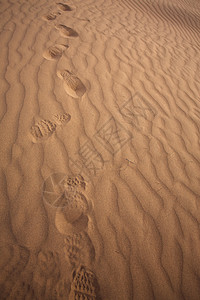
(64, 7)
(45, 128)
(62, 119)
(74, 205)
(79, 249)
(84, 285)
(66, 31)
(72, 84)
(67, 228)
(54, 52)
(50, 17)
(42, 130)
(71, 215)
(76, 182)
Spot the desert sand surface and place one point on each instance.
(100, 149)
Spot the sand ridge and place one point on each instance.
(100, 161)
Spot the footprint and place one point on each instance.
(42, 130)
(67, 228)
(54, 52)
(72, 206)
(62, 119)
(79, 249)
(49, 17)
(72, 84)
(14, 260)
(84, 285)
(64, 7)
(66, 31)
(75, 182)
(45, 128)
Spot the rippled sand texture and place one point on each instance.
(100, 149)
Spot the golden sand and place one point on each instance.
(100, 149)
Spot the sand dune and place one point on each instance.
(100, 160)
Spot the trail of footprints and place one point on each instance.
(44, 280)
(52, 16)
(79, 250)
(71, 218)
(21, 279)
(73, 86)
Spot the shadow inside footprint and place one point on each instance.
(84, 284)
(66, 31)
(43, 129)
(76, 182)
(50, 17)
(79, 249)
(54, 52)
(66, 228)
(64, 7)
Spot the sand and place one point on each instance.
(100, 149)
